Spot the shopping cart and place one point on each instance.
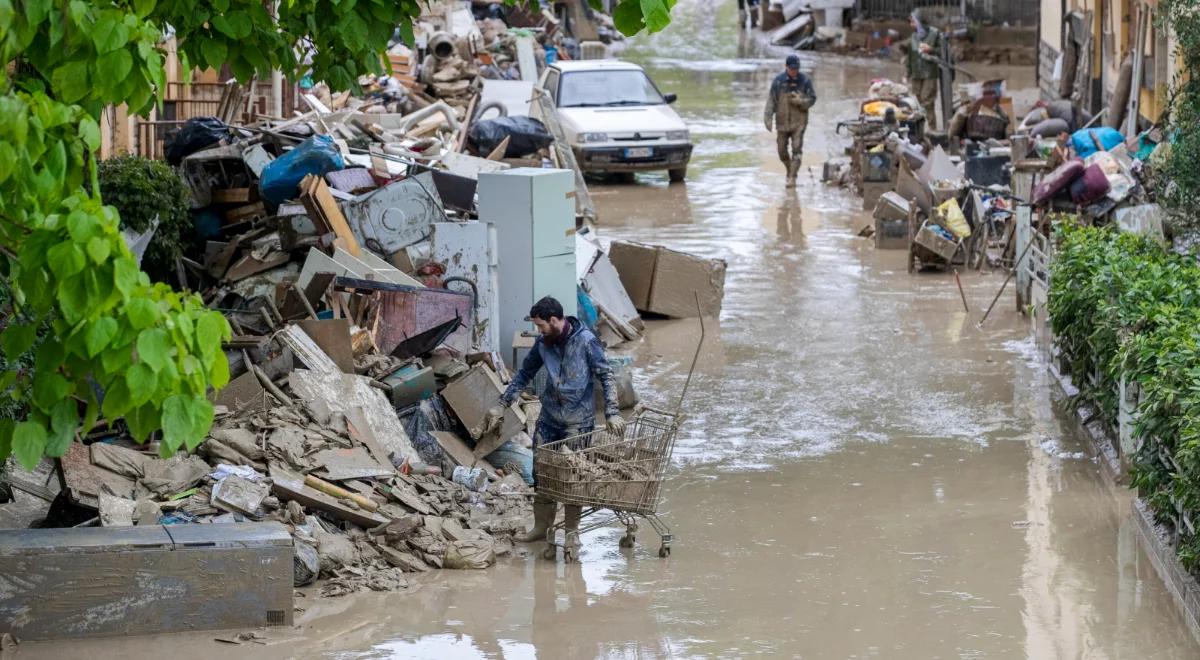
(603, 471)
(623, 474)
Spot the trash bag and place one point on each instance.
(470, 554)
(1088, 141)
(196, 134)
(280, 178)
(527, 135)
(306, 564)
(952, 218)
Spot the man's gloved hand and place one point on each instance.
(768, 123)
(615, 425)
(493, 420)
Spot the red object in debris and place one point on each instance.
(431, 274)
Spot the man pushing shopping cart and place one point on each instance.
(574, 359)
(618, 468)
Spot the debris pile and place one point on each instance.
(348, 251)
(953, 199)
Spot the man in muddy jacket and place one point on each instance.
(924, 75)
(572, 357)
(787, 108)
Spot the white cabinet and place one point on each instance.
(533, 214)
(466, 250)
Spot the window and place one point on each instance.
(592, 89)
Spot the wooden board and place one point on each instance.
(459, 452)
(290, 486)
(234, 196)
(324, 210)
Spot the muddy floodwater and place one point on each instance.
(862, 473)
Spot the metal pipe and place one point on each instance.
(408, 120)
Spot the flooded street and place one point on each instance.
(863, 472)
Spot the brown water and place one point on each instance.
(863, 472)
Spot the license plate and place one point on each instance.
(639, 152)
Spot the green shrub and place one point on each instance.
(1122, 305)
(142, 189)
(1177, 178)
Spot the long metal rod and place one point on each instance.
(695, 358)
(961, 293)
(1007, 279)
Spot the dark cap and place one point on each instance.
(792, 62)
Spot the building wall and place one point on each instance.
(1013, 12)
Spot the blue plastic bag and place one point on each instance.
(281, 178)
(1085, 140)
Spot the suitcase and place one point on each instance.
(1060, 178)
(1090, 186)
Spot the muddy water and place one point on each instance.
(863, 473)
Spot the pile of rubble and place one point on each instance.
(353, 251)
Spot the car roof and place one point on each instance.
(595, 65)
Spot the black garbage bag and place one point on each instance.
(527, 135)
(196, 134)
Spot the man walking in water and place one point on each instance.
(788, 102)
(572, 357)
(924, 75)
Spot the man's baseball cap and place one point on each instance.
(792, 61)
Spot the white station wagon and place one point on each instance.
(615, 118)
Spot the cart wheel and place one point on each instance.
(549, 553)
(569, 556)
(664, 551)
(627, 541)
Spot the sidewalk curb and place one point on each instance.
(1155, 540)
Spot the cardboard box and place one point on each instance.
(635, 264)
(678, 277)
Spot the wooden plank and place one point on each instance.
(84, 480)
(247, 212)
(319, 203)
(290, 486)
(307, 350)
(333, 337)
(460, 453)
(233, 196)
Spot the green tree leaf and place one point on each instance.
(186, 421)
(49, 388)
(154, 348)
(63, 421)
(214, 52)
(143, 421)
(116, 64)
(98, 249)
(627, 17)
(66, 259)
(142, 313)
(17, 338)
(141, 381)
(28, 443)
(71, 81)
(109, 34)
(656, 14)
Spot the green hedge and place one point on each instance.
(1122, 304)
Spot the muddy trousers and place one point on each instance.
(791, 146)
(926, 91)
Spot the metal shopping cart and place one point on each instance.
(600, 470)
(619, 473)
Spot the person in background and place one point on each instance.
(573, 359)
(788, 102)
(982, 120)
(924, 75)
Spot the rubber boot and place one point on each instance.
(791, 174)
(543, 517)
(571, 515)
